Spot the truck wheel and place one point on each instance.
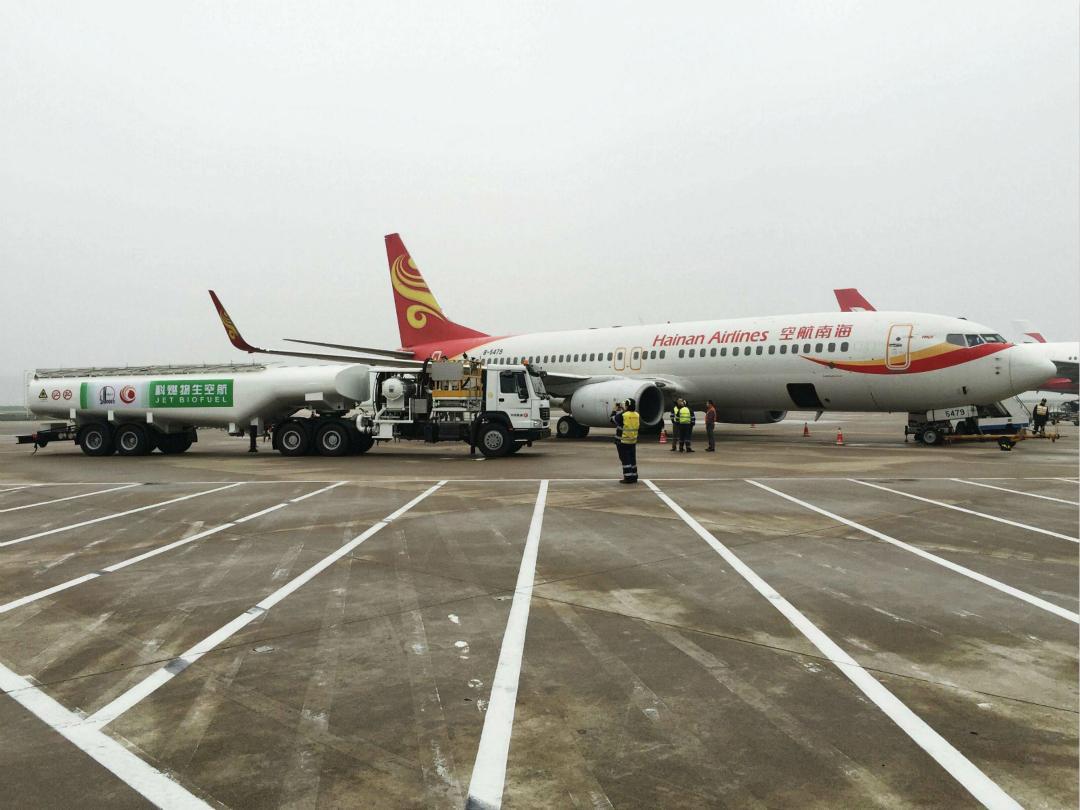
(292, 438)
(96, 439)
(361, 442)
(494, 441)
(931, 436)
(133, 440)
(332, 439)
(566, 428)
(173, 443)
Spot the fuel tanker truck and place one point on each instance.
(331, 410)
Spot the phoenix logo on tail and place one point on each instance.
(421, 321)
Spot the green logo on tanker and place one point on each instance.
(191, 394)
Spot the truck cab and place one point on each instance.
(496, 410)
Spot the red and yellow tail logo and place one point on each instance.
(410, 285)
(421, 321)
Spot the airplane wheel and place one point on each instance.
(133, 440)
(565, 429)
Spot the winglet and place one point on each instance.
(851, 300)
(235, 337)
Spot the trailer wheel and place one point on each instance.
(133, 440)
(1005, 443)
(292, 438)
(96, 439)
(173, 443)
(332, 439)
(494, 441)
(932, 436)
(361, 442)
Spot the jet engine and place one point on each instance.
(740, 416)
(591, 405)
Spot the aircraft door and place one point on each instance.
(898, 348)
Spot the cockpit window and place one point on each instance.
(992, 338)
(956, 339)
(974, 340)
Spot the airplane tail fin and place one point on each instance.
(1029, 333)
(851, 300)
(420, 318)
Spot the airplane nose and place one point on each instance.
(1028, 369)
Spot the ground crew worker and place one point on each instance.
(627, 423)
(686, 419)
(710, 425)
(675, 425)
(1039, 415)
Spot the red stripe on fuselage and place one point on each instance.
(959, 355)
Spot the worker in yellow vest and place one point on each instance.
(1039, 414)
(684, 424)
(627, 423)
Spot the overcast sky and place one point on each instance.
(549, 165)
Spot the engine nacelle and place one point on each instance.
(739, 416)
(592, 404)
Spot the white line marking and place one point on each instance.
(15, 489)
(146, 555)
(68, 498)
(141, 777)
(1066, 480)
(116, 515)
(318, 492)
(160, 677)
(959, 767)
(967, 572)
(1016, 492)
(489, 769)
(967, 511)
(262, 512)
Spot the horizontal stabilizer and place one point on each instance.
(359, 349)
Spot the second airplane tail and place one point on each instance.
(420, 318)
(851, 300)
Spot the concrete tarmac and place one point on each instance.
(782, 623)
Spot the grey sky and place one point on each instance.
(548, 165)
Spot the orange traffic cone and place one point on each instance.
(805, 429)
(663, 436)
(840, 437)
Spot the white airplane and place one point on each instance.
(1063, 354)
(754, 369)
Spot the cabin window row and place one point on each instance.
(746, 351)
(590, 357)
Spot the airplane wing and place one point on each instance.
(360, 349)
(238, 341)
(563, 385)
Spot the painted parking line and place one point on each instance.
(140, 776)
(146, 555)
(15, 489)
(1050, 607)
(1016, 492)
(489, 769)
(967, 511)
(977, 783)
(68, 498)
(160, 677)
(116, 515)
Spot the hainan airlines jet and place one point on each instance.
(1063, 354)
(754, 369)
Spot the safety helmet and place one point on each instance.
(628, 403)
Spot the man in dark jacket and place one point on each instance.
(627, 423)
